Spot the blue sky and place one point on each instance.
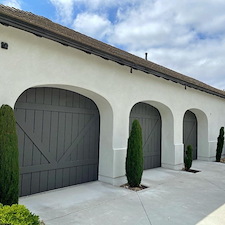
(187, 36)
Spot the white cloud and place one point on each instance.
(13, 3)
(64, 10)
(152, 24)
(93, 25)
(205, 15)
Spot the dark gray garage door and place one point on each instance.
(58, 134)
(190, 132)
(150, 121)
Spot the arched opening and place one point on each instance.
(150, 121)
(58, 136)
(190, 134)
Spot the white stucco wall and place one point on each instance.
(32, 61)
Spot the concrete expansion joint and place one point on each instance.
(89, 207)
(144, 208)
(213, 184)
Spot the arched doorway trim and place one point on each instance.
(190, 132)
(150, 121)
(202, 134)
(168, 151)
(105, 160)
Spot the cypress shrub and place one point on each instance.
(9, 165)
(134, 159)
(188, 158)
(220, 143)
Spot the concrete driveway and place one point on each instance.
(173, 197)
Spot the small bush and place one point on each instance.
(220, 143)
(188, 158)
(134, 159)
(9, 165)
(17, 215)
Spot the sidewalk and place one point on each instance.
(173, 197)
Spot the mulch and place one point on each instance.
(141, 187)
(191, 170)
(222, 160)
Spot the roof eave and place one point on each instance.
(41, 32)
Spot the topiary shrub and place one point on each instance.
(188, 158)
(9, 166)
(17, 215)
(220, 143)
(134, 159)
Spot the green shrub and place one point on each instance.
(134, 159)
(188, 157)
(220, 143)
(9, 166)
(17, 215)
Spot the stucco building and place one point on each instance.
(75, 98)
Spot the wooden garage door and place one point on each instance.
(190, 132)
(150, 121)
(58, 133)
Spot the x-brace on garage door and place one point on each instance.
(150, 121)
(58, 134)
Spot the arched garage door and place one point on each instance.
(150, 121)
(190, 132)
(58, 133)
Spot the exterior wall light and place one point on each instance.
(4, 45)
